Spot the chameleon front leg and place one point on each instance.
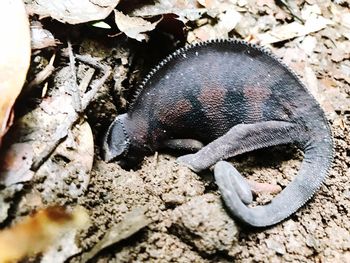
(191, 145)
(240, 139)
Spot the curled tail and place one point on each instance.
(318, 155)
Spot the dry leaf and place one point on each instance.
(38, 130)
(133, 222)
(134, 27)
(68, 168)
(309, 44)
(294, 29)
(73, 12)
(227, 20)
(341, 51)
(36, 233)
(41, 38)
(185, 10)
(15, 56)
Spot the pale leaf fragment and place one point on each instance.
(133, 222)
(41, 38)
(185, 10)
(294, 29)
(36, 233)
(228, 20)
(345, 19)
(101, 24)
(73, 12)
(134, 27)
(309, 44)
(67, 170)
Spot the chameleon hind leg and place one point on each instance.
(229, 179)
(234, 181)
(240, 139)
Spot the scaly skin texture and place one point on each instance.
(223, 98)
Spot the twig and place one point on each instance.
(84, 84)
(62, 131)
(41, 76)
(76, 92)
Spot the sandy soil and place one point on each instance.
(189, 224)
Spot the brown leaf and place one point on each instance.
(15, 56)
(185, 10)
(73, 12)
(133, 222)
(294, 29)
(134, 27)
(36, 233)
(37, 130)
(41, 38)
(68, 168)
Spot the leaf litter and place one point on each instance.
(15, 58)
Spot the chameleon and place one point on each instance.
(219, 99)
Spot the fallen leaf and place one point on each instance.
(73, 12)
(134, 27)
(41, 38)
(309, 44)
(15, 57)
(133, 222)
(38, 133)
(15, 164)
(294, 29)
(228, 20)
(310, 10)
(101, 24)
(185, 10)
(67, 171)
(36, 233)
(341, 51)
(345, 19)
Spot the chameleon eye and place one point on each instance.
(115, 142)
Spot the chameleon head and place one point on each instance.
(116, 141)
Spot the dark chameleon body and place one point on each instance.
(230, 97)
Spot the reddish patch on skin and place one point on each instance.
(175, 111)
(256, 96)
(143, 129)
(138, 130)
(212, 99)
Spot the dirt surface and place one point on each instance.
(189, 224)
(165, 212)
